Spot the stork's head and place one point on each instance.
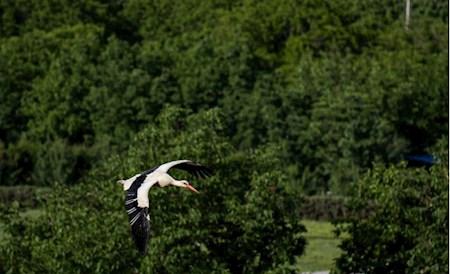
(185, 184)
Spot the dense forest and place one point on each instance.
(301, 97)
(337, 85)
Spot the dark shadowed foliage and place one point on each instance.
(409, 222)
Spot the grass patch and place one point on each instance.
(322, 247)
(32, 213)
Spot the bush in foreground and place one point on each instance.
(241, 222)
(407, 231)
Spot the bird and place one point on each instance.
(136, 198)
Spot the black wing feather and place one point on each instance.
(141, 231)
(138, 216)
(139, 180)
(195, 169)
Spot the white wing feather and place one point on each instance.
(165, 167)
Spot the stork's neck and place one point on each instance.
(164, 179)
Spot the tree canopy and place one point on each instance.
(241, 222)
(337, 85)
(410, 220)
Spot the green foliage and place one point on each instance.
(410, 220)
(241, 222)
(55, 106)
(22, 59)
(315, 91)
(16, 162)
(23, 194)
(322, 208)
(58, 163)
(335, 85)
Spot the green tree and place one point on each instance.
(241, 222)
(409, 222)
(328, 82)
(55, 107)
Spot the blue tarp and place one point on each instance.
(423, 159)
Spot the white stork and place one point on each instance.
(136, 199)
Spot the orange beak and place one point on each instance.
(191, 188)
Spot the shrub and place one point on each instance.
(408, 230)
(16, 162)
(241, 222)
(323, 208)
(25, 195)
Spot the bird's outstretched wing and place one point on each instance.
(139, 219)
(138, 216)
(194, 168)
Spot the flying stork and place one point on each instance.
(136, 199)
